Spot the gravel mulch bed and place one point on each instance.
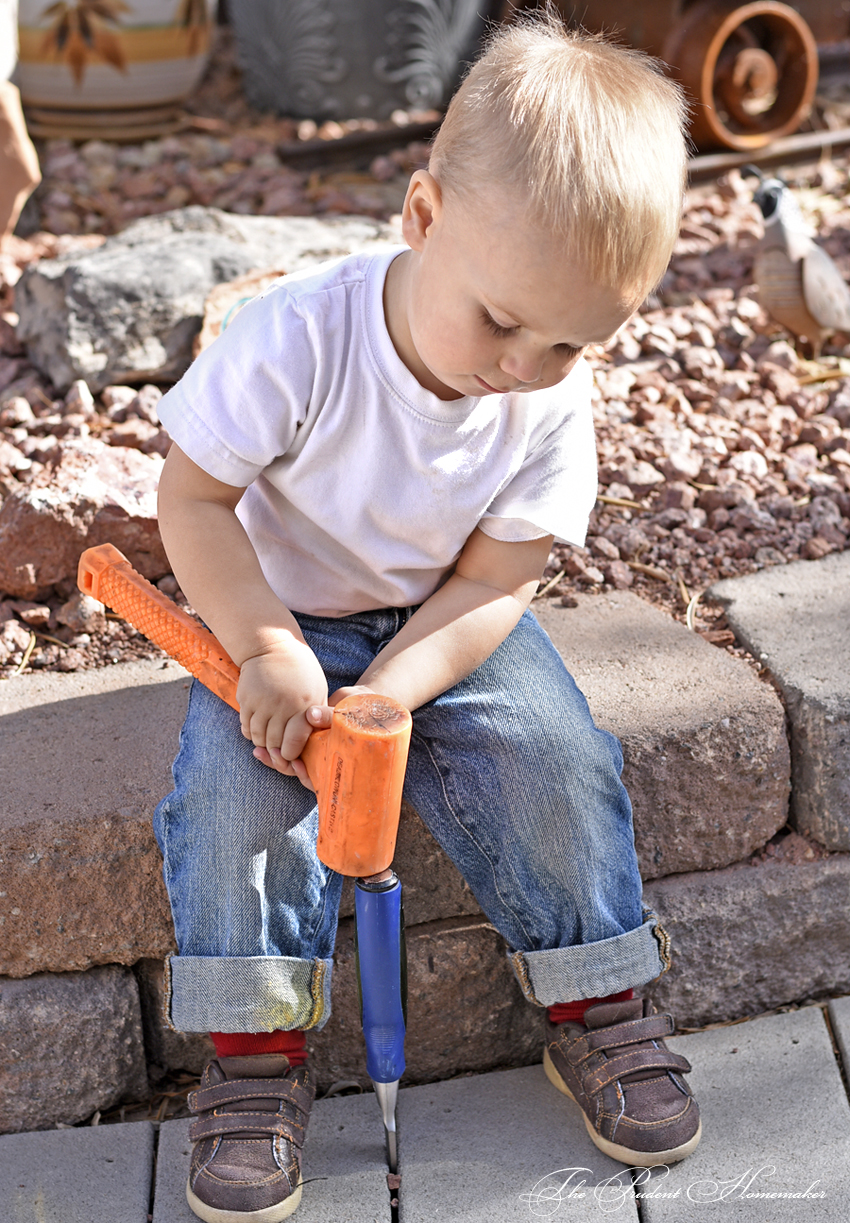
(721, 450)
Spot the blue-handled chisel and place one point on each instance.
(382, 986)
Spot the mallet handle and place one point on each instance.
(357, 767)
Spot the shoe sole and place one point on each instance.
(640, 1159)
(270, 1214)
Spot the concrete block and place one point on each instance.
(839, 1018)
(776, 1128)
(498, 1148)
(465, 1008)
(77, 1175)
(166, 1050)
(794, 618)
(706, 762)
(706, 755)
(748, 938)
(89, 756)
(344, 1168)
(69, 1044)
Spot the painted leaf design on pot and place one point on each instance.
(193, 17)
(80, 32)
(436, 35)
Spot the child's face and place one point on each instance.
(488, 302)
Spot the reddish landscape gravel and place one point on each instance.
(721, 450)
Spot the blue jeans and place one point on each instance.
(507, 771)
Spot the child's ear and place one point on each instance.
(421, 209)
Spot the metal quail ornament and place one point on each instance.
(798, 283)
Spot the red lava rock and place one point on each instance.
(619, 575)
(600, 546)
(14, 639)
(82, 614)
(36, 615)
(816, 548)
(93, 494)
(132, 432)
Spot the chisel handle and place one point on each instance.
(381, 975)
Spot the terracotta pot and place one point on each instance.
(110, 68)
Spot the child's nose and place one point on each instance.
(523, 364)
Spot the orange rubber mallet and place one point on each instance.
(357, 766)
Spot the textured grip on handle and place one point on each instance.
(107, 575)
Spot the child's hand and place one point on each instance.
(278, 692)
(352, 690)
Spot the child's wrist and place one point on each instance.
(270, 643)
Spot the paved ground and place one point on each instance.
(505, 1148)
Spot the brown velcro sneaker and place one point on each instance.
(252, 1115)
(629, 1085)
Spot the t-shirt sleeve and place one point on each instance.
(555, 488)
(238, 406)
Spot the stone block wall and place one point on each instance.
(85, 921)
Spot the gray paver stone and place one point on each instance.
(344, 1166)
(839, 1017)
(70, 1043)
(750, 938)
(498, 1148)
(794, 618)
(77, 1176)
(775, 1120)
(706, 754)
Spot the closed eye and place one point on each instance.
(568, 350)
(496, 328)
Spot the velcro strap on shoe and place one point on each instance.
(652, 1027)
(256, 1124)
(632, 1062)
(237, 1090)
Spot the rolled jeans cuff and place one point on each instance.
(246, 994)
(594, 970)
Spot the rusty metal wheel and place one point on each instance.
(751, 70)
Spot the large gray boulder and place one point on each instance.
(128, 311)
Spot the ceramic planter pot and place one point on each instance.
(110, 67)
(341, 59)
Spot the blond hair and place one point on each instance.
(587, 133)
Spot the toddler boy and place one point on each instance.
(369, 468)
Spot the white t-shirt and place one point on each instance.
(362, 486)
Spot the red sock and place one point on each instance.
(243, 1044)
(561, 1012)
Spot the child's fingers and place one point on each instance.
(295, 736)
(300, 770)
(319, 716)
(272, 758)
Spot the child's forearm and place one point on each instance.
(461, 625)
(450, 635)
(215, 563)
(281, 679)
